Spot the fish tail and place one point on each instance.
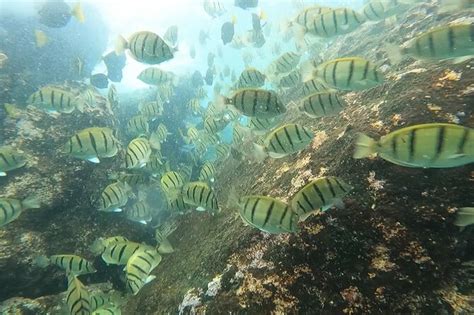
(78, 13)
(41, 261)
(234, 19)
(308, 70)
(120, 45)
(41, 38)
(464, 217)
(365, 146)
(259, 152)
(31, 202)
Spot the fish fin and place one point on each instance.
(262, 15)
(394, 53)
(259, 152)
(143, 222)
(464, 217)
(365, 146)
(12, 111)
(234, 19)
(120, 45)
(31, 202)
(94, 160)
(200, 208)
(276, 155)
(150, 279)
(116, 210)
(3, 174)
(307, 70)
(41, 261)
(41, 38)
(78, 13)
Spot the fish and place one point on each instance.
(114, 64)
(376, 10)
(285, 63)
(164, 246)
(292, 79)
(11, 159)
(156, 76)
(72, 264)
(137, 154)
(214, 8)
(57, 14)
(196, 79)
(138, 126)
(161, 133)
(139, 267)
(77, 297)
(227, 31)
(257, 21)
(78, 66)
(203, 37)
(260, 126)
(119, 253)
(99, 80)
(199, 194)
(245, 4)
(192, 51)
(139, 212)
(154, 166)
(447, 6)
(312, 86)
(11, 209)
(114, 197)
(222, 151)
(322, 104)
(103, 303)
(333, 22)
(100, 244)
(213, 125)
(171, 36)
(177, 204)
(464, 217)
(209, 78)
(434, 145)
(210, 59)
(268, 214)
(207, 172)
(3, 59)
(41, 39)
(146, 47)
(256, 103)
(171, 183)
(319, 195)
(283, 141)
(151, 110)
(195, 106)
(447, 42)
(132, 179)
(112, 96)
(55, 100)
(92, 143)
(251, 78)
(350, 74)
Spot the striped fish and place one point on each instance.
(313, 86)
(146, 47)
(268, 214)
(171, 35)
(77, 297)
(334, 22)
(287, 139)
(185, 171)
(55, 100)
(213, 125)
(161, 132)
(322, 104)
(139, 267)
(10, 159)
(251, 78)
(319, 195)
(177, 204)
(164, 246)
(92, 143)
(351, 73)
(100, 301)
(376, 10)
(138, 153)
(257, 103)
(207, 173)
(428, 146)
(118, 253)
(195, 107)
(101, 244)
(132, 179)
(139, 212)
(307, 15)
(239, 133)
(155, 76)
(464, 217)
(285, 63)
(171, 182)
(72, 264)
(453, 41)
(138, 126)
(154, 166)
(199, 194)
(222, 151)
(10, 209)
(214, 8)
(112, 96)
(114, 197)
(261, 126)
(292, 79)
(151, 110)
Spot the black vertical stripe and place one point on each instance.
(366, 70)
(412, 144)
(94, 144)
(321, 103)
(105, 140)
(334, 20)
(351, 72)
(254, 207)
(451, 38)
(308, 201)
(298, 134)
(318, 192)
(471, 32)
(431, 45)
(78, 139)
(339, 184)
(279, 142)
(269, 213)
(322, 24)
(288, 136)
(331, 188)
(440, 142)
(394, 145)
(463, 141)
(52, 98)
(334, 73)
